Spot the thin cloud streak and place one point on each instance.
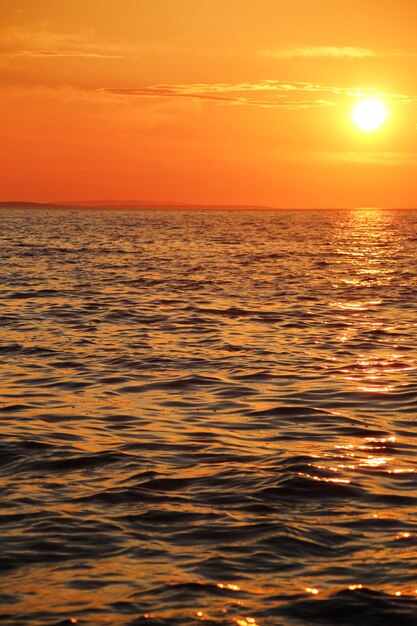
(320, 52)
(38, 54)
(220, 94)
(333, 52)
(44, 42)
(269, 93)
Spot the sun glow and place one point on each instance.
(369, 114)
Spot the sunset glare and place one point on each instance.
(369, 114)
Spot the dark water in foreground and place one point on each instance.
(208, 417)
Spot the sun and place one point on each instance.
(369, 114)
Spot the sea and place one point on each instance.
(208, 416)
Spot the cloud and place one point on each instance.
(38, 54)
(44, 42)
(265, 93)
(268, 93)
(320, 52)
(332, 52)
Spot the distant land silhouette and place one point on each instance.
(123, 204)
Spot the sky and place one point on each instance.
(242, 102)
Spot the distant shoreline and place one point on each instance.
(121, 206)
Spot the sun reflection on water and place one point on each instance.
(356, 458)
(229, 586)
(246, 621)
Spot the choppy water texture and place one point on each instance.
(208, 416)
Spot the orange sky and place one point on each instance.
(207, 101)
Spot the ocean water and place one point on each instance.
(208, 416)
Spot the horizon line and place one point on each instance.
(176, 205)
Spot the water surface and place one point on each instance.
(208, 416)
